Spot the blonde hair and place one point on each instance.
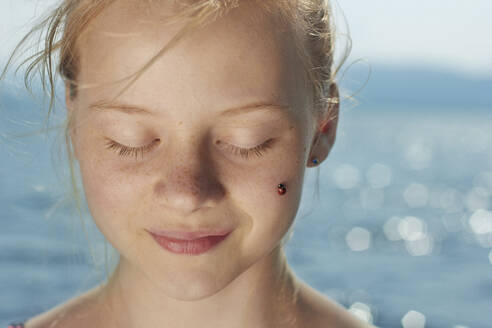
(310, 20)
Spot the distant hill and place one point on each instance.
(390, 86)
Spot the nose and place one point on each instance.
(188, 182)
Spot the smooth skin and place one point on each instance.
(190, 178)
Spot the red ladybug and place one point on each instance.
(281, 189)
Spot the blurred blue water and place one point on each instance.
(422, 177)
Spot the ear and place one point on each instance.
(70, 108)
(326, 131)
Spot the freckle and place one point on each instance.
(185, 182)
(180, 123)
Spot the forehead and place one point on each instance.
(242, 57)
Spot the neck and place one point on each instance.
(265, 295)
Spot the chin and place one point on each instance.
(194, 286)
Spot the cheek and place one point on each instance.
(269, 214)
(110, 191)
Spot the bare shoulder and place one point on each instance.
(80, 311)
(319, 311)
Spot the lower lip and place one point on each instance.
(191, 247)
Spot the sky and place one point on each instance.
(446, 35)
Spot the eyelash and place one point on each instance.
(246, 152)
(127, 151)
(243, 152)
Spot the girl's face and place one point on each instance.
(235, 83)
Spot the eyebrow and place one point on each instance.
(132, 109)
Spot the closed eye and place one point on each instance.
(247, 152)
(123, 150)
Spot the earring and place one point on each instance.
(315, 161)
(281, 189)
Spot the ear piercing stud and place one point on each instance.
(323, 128)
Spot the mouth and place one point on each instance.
(189, 242)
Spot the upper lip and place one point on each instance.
(190, 235)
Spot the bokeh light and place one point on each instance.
(420, 247)
(390, 228)
(379, 176)
(477, 198)
(412, 228)
(358, 239)
(413, 319)
(481, 222)
(418, 154)
(413, 231)
(362, 311)
(347, 176)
